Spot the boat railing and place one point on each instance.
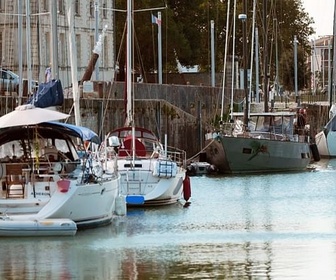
(177, 155)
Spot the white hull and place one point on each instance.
(251, 155)
(90, 203)
(87, 206)
(141, 187)
(326, 145)
(34, 199)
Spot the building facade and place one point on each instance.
(90, 19)
(321, 64)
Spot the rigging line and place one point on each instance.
(112, 87)
(203, 150)
(138, 51)
(107, 104)
(122, 44)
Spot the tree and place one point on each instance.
(186, 32)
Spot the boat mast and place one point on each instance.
(54, 40)
(129, 111)
(332, 95)
(130, 100)
(73, 61)
(225, 56)
(243, 18)
(233, 56)
(28, 42)
(20, 51)
(265, 48)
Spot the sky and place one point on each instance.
(322, 11)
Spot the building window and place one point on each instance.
(106, 52)
(78, 45)
(2, 5)
(62, 54)
(46, 5)
(92, 42)
(104, 10)
(77, 8)
(34, 8)
(47, 49)
(92, 9)
(61, 7)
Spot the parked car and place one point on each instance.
(9, 81)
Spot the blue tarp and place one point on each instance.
(48, 94)
(84, 133)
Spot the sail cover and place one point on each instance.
(48, 94)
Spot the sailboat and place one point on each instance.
(49, 187)
(151, 173)
(43, 176)
(261, 142)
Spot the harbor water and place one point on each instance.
(279, 226)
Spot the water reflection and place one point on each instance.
(279, 226)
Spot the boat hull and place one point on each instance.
(253, 155)
(150, 190)
(326, 144)
(44, 227)
(87, 205)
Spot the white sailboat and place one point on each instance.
(259, 142)
(43, 172)
(151, 173)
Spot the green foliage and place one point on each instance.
(186, 34)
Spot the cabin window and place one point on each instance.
(66, 148)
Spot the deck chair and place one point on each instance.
(15, 182)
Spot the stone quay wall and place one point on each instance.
(182, 112)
